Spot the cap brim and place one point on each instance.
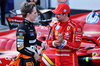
(53, 11)
(56, 12)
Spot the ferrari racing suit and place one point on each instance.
(65, 55)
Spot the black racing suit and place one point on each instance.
(26, 41)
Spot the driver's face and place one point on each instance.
(59, 17)
(33, 15)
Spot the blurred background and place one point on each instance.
(84, 5)
(77, 6)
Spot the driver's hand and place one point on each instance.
(36, 57)
(60, 37)
(57, 43)
(44, 46)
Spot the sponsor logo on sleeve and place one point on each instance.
(20, 40)
(57, 27)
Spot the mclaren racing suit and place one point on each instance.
(27, 42)
(65, 54)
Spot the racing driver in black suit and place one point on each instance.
(26, 36)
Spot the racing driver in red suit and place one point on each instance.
(65, 36)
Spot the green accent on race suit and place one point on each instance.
(28, 27)
(87, 59)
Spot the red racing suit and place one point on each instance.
(65, 54)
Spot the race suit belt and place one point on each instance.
(62, 54)
(64, 50)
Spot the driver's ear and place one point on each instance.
(28, 14)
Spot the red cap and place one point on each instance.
(62, 8)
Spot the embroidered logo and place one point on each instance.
(56, 32)
(68, 27)
(57, 27)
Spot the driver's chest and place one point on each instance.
(66, 30)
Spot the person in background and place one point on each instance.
(37, 2)
(66, 36)
(26, 36)
(63, 1)
(3, 10)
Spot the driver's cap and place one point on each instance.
(61, 8)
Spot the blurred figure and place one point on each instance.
(3, 10)
(37, 2)
(63, 1)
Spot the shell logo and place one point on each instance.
(9, 20)
(56, 33)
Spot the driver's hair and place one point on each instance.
(27, 7)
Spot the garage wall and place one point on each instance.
(17, 4)
(85, 4)
(74, 4)
(54, 3)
